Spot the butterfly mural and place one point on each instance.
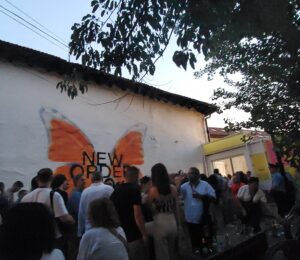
(67, 144)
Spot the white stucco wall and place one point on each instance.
(174, 134)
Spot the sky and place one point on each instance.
(58, 16)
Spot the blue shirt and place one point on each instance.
(73, 204)
(277, 182)
(193, 208)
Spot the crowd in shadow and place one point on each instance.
(165, 216)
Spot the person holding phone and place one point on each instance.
(194, 193)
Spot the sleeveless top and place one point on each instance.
(165, 203)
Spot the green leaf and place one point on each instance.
(94, 2)
(96, 6)
(180, 58)
(151, 69)
(258, 40)
(84, 18)
(192, 60)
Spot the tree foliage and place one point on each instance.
(258, 39)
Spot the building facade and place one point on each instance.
(116, 122)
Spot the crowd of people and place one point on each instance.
(141, 218)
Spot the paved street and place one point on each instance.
(233, 235)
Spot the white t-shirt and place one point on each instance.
(100, 243)
(56, 254)
(244, 195)
(42, 195)
(95, 191)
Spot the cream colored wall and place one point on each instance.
(174, 134)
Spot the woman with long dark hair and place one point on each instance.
(60, 184)
(163, 197)
(28, 233)
(106, 239)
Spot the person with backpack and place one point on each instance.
(53, 200)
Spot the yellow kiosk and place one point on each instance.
(231, 154)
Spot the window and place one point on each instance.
(224, 166)
(231, 165)
(239, 163)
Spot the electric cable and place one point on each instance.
(30, 17)
(33, 30)
(34, 26)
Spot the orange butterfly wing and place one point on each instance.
(130, 147)
(66, 142)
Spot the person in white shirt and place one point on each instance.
(42, 195)
(97, 190)
(250, 198)
(251, 192)
(106, 240)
